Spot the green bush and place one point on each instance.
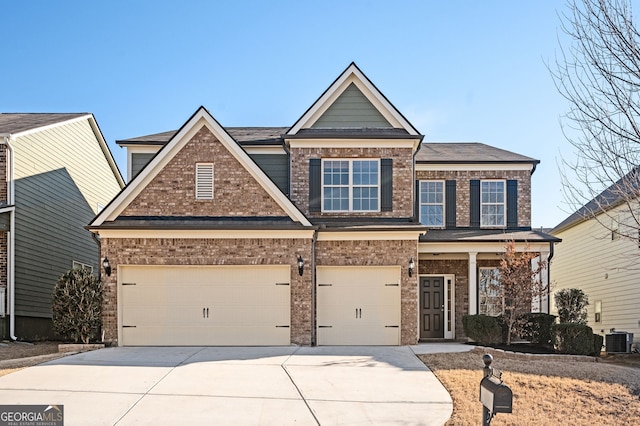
(572, 305)
(537, 328)
(482, 329)
(598, 341)
(575, 339)
(77, 306)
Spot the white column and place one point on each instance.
(473, 284)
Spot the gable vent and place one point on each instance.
(204, 181)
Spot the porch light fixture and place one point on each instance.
(107, 266)
(412, 267)
(300, 265)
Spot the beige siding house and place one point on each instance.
(604, 263)
(58, 174)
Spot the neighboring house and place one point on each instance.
(600, 255)
(343, 229)
(58, 174)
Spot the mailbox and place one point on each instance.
(495, 395)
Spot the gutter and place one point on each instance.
(11, 243)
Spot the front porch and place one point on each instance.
(451, 268)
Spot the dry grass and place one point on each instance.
(544, 392)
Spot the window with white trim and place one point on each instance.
(351, 185)
(490, 301)
(79, 265)
(432, 203)
(492, 202)
(204, 181)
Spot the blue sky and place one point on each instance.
(464, 71)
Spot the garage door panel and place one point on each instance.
(358, 305)
(210, 305)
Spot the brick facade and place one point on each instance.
(402, 177)
(462, 178)
(380, 253)
(176, 251)
(172, 191)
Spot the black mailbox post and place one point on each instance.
(496, 397)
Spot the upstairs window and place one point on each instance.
(351, 185)
(204, 181)
(492, 203)
(432, 203)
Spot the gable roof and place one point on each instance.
(352, 75)
(200, 118)
(628, 187)
(468, 152)
(20, 124)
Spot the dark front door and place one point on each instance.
(431, 307)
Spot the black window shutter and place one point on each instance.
(450, 203)
(315, 185)
(386, 184)
(416, 201)
(474, 204)
(512, 204)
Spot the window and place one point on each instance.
(491, 303)
(79, 265)
(432, 203)
(350, 185)
(492, 203)
(204, 181)
(598, 311)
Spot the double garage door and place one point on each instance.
(205, 305)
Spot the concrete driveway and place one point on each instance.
(229, 385)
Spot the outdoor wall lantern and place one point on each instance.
(300, 265)
(412, 267)
(107, 266)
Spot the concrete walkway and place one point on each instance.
(225, 385)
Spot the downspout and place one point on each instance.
(551, 248)
(11, 244)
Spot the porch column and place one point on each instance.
(473, 284)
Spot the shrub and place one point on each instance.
(482, 329)
(572, 305)
(77, 306)
(538, 327)
(598, 341)
(575, 339)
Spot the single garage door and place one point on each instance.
(358, 305)
(204, 305)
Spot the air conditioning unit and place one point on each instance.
(619, 341)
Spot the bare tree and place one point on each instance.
(598, 73)
(519, 282)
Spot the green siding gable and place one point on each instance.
(138, 161)
(351, 109)
(276, 166)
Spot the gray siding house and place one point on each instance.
(58, 174)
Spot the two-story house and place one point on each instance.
(344, 228)
(57, 173)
